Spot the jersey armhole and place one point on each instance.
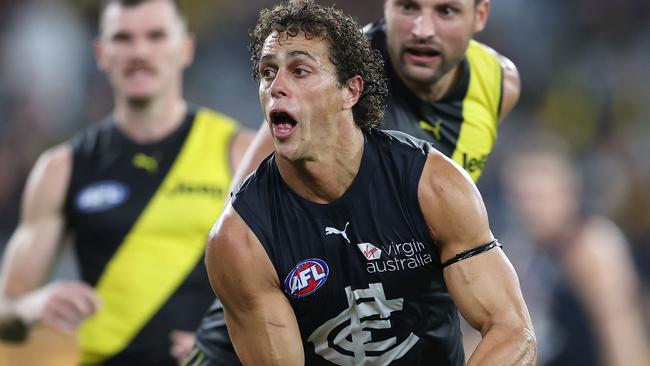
(253, 222)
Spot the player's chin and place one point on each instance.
(139, 98)
(140, 89)
(421, 74)
(287, 151)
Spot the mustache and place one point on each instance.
(139, 65)
(421, 42)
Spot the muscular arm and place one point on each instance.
(260, 319)
(511, 86)
(32, 250)
(484, 287)
(599, 263)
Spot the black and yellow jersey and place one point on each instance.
(141, 214)
(463, 124)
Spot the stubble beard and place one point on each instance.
(139, 103)
(424, 82)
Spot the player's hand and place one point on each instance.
(62, 305)
(182, 344)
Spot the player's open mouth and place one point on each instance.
(422, 54)
(283, 124)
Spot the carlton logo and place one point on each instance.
(306, 277)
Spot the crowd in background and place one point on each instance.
(583, 64)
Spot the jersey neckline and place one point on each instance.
(357, 188)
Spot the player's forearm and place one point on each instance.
(264, 346)
(506, 346)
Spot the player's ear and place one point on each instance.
(189, 47)
(481, 17)
(352, 91)
(100, 55)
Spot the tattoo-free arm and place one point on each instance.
(484, 287)
(260, 320)
(599, 263)
(31, 252)
(511, 86)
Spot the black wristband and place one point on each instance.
(472, 252)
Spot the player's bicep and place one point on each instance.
(452, 207)
(260, 320)
(33, 246)
(486, 290)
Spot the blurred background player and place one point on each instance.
(139, 191)
(578, 277)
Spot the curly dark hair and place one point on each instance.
(350, 51)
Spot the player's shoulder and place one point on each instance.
(232, 244)
(228, 239)
(496, 69)
(211, 116)
(49, 178)
(399, 141)
(482, 50)
(56, 158)
(444, 178)
(602, 238)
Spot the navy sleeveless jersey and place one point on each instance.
(362, 273)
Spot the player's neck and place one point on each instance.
(433, 92)
(151, 121)
(327, 177)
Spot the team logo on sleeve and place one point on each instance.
(306, 277)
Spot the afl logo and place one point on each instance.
(306, 277)
(101, 196)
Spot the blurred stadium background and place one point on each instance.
(584, 65)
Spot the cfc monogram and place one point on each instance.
(351, 332)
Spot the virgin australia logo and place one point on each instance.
(332, 230)
(351, 332)
(369, 251)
